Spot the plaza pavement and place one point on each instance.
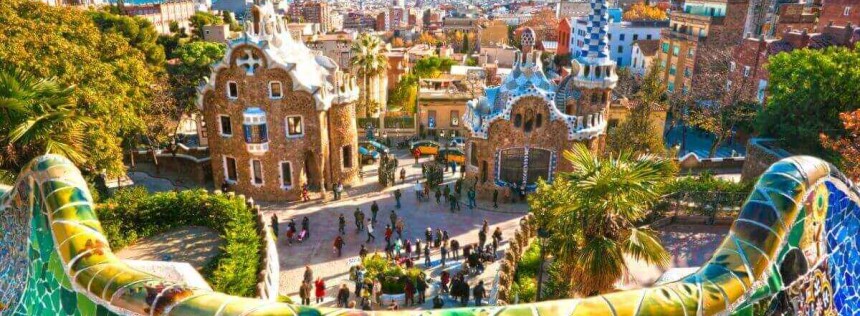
(689, 245)
(317, 251)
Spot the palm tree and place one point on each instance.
(592, 212)
(41, 117)
(368, 61)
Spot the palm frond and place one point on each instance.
(644, 245)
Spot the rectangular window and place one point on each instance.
(731, 66)
(618, 61)
(230, 169)
(635, 37)
(663, 63)
(847, 11)
(431, 119)
(232, 90)
(666, 47)
(621, 37)
(226, 126)
(286, 175)
(728, 85)
(676, 50)
(690, 52)
(455, 118)
(762, 89)
(672, 70)
(256, 172)
(295, 127)
(620, 48)
(648, 37)
(671, 87)
(346, 154)
(275, 90)
(746, 71)
(687, 72)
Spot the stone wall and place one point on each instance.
(523, 236)
(196, 169)
(502, 134)
(307, 154)
(761, 153)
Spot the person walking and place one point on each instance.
(359, 219)
(362, 252)
(305, 194)
(306, 227)
(471, 195)
(338, 245)
(393, 217)
(444, 279)
(463, 170)
(359, 280)
(497, 239)
(398, 246)
(444, 252)
(478, 292)
(370, 237)
(274, 222)
(482, 239)
(438, 240)
(417, 154)
(402, 175)
(453, 168)
(291, 231)
(455, 249)
(319, 287)
(374, 209)
(418, 248)
(409, 291)
(305, 293)
(427, 255)
(421, 288)
(495, 198)
(342, 296)
(397, 197)
(447, 192)
(341, 224)
(453, 202)
(438, 195)
(399, 228)
(309, 275)
(428, 235)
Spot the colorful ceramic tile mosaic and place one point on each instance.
(792, 248)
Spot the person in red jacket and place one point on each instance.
(409, 290)
(319, 289)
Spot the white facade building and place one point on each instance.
(621, 37)
(643, 54)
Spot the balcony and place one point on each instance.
(679, 16)
(256, 131)
(669, 34)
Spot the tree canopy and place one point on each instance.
(432, 66)
(807, 91)
(112, 77)
(643, 12)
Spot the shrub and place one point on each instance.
(393, 277)
(525, 284)
(133, 214)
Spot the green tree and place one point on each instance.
(201, 19)
(807, 91)
(40, 118)
(638, 133)
(139, 33)
(716, 104)
(368, 61)
(404, 94)
(432, 66)
(228, 19)
(111, 76)
(591, 212)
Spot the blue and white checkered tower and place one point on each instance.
(596, 70)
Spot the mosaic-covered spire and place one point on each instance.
(596, 70)
(596, 45)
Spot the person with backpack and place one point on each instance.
(397, 195)
(341, 224)
(342, 296)
(370, 237)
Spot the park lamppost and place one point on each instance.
(542, 234)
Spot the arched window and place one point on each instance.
(473, 154)
(594, 98)
(518, 120)
(516, 163)
(539, 120)
(527, 127)
(538, 165)
(511, 165)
